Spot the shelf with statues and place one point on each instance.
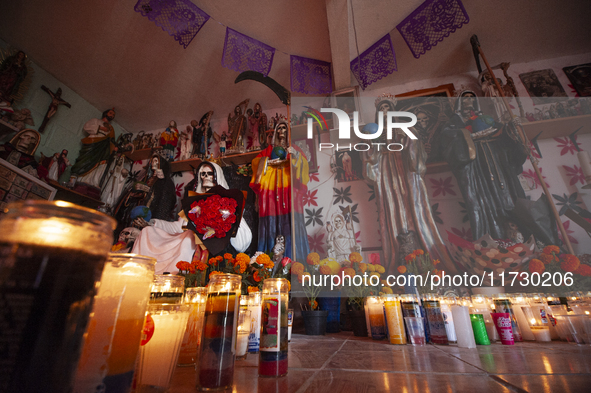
(238, 159)
(141, 154)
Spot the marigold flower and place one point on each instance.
(436, 262)
(241, 267)
(301, 277)
(374, 274)
(536, 266)
(191, 268)
(325, 269)
(437, 272)
(348, 271)
(387, 290)
(362, 267)
(418, 252)
(410, 257)
(584, 270)
(183, 265)
(255, 276)
(380, 269)
(313, 305)
(355, 257)
(297, 268)
(371, 268)
(228, 256)
(201, 266)
(213, 261)
(551, 249)
(570, 263)
(242, 258)
(401, 269)
(252, 289)
(547, 258)
(313, 258)
(264, 260)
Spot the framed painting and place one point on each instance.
(580, 77)
(542, 86)
(310, 148)
(347, 100)
(349, 165)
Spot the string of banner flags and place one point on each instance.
(426, 26)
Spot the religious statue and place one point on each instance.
(20, 150)
(202, 134)
(258, 127)
(13, 72)
(169, 140)
(404, 211)
(237, 126)
(186, 144)
(154, 193)
(341, 237)
(169, 243)
(486, 158)
(93, 159)
(114, 183)
(272, 181)
(52, 167)
(56, 100)
(223, 140)
(126, 240)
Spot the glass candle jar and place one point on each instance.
(215, 370)
(52, 256)
(167, 288)
(195, 297)
(254, 306)
(242, 333)
(274, 342)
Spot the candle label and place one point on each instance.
(254, 337)
(271, 324)
(543, 315)
(148, 330)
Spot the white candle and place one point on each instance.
(242, 343)
(463, 325)
(526, 332)
(541, 333)
(159, 355)
(449, 322)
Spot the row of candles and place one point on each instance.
(143, 325)
(480, 319)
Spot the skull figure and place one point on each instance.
(207, 177)
(281, 135)
(128, 235)
(27, 142)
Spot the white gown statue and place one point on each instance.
(169, 243)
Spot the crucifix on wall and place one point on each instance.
(56, 100)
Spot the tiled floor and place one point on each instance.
(345, 363)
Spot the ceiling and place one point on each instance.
(112, 56)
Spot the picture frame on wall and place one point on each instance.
(543, 85)
(310, 149)
(433, 107)
(349, 165)
(580, 77)
(347, 100)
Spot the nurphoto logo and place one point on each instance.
(345, 124)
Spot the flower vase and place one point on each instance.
(315, 322)
(333, 306)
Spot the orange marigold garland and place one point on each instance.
(355, 257)
(265, 260)
(297, 268)
(547, 258)
(401, 269)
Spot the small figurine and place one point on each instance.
(237, 126)
(202, 136)
(258, 127)
(13, 72)
(138, 141)
(126, 240)
(56, 100)
(186, 144)
(278, 251)
(169, 140)
(223, 140)
(52, 167)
